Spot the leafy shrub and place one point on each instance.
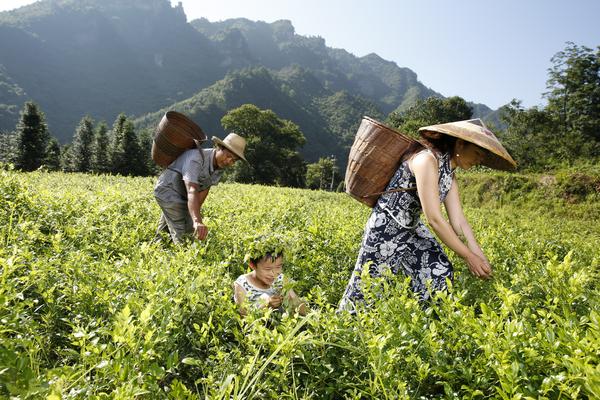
(91, 308)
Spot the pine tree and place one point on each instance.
(33, 137)
(145, 139)
(83, 146)
(101, 160)
(126, 154)
(134, 163)
(117, 151)
(52, 160)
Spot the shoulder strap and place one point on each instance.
(389, 191)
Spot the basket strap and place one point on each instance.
(390, 191)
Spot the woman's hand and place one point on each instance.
(479, 267)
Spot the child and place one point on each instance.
(264, 286)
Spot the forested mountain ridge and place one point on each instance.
(77, 57)
(292, 93)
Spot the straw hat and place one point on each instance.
(234, 143)
(475, 131)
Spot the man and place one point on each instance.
(182, 187)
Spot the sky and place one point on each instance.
(486, 51)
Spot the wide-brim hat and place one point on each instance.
(234, 143)
(475, 131)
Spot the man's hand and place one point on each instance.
(200, 230)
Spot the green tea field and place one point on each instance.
(90, 308)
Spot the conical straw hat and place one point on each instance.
(475, 131)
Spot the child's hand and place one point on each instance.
(275, 301)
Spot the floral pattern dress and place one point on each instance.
(395, 238)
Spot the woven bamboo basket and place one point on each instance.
(374, 158)
(175, 134)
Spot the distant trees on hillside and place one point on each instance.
(568, 128)
(565, 131)
(93, 149)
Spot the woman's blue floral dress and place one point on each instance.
(395, 238)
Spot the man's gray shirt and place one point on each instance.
(192, 167)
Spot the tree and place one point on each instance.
(101, 160)
(324, 174)
(117, 151)
(52, 160)
(568, 128)
(433, 110)
(33, 136)
(82, 150)
(574, 90)
(135, 163)
(535, 139)
(145, 139)
(125, 152)
(272, 147)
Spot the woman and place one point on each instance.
(396, 239)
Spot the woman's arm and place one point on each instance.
(425, 167)
(459, 221)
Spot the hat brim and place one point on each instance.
(219, 142)
(496, 156)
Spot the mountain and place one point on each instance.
(276, 46)
(328, 119)
(75, 57)
(103, 57)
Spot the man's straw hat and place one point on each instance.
(475, 131)
(234, 143)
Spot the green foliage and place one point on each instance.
(432, 110)
(260, 245)
(91, 308)
(271, 148)
(32, 138)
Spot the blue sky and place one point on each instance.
(484, 51)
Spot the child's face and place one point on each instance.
(268, 269)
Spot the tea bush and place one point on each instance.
(91, 308)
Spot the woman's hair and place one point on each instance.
(431, 140)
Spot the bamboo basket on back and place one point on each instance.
(175, 134)
(373, 160)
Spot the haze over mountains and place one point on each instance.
(141, 57)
